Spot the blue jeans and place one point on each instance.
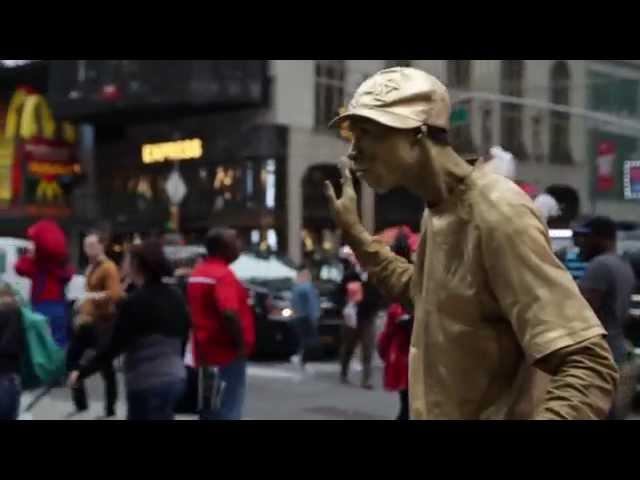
(58, 315)
(155, 403)
(9, 397)
(234, 376)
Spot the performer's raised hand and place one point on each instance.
(345, 208)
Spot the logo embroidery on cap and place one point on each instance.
(379, 91)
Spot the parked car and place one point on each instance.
(270, 279)
(11, 249)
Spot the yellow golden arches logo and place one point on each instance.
(29, 115)
(49, 190)
(12, 124)
(36, 108)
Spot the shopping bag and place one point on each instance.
(44, 363)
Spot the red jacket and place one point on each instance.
(393, 347)
(211, 289)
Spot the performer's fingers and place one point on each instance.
(345, 173)
(330, 193)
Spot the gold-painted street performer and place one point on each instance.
(493, 306)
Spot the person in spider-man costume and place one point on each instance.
(48, 268)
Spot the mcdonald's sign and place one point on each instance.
(6, 163)
(36, 150)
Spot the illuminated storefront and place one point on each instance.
(232, 172)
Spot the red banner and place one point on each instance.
(605, 162)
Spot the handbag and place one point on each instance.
(204, 387)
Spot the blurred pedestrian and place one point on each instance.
(150, 327)
(12, 349)
(572, 257)
(49, 271)
(361, 303)
(223, 325)
(94, 321)
(395, 340)
(306, 307)
(127, 284)
(607, 284)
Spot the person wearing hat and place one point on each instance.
(490, 299)
(607, 284)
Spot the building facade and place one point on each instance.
(250, 144)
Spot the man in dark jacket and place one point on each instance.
(12, 347)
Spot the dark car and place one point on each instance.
(270, 279)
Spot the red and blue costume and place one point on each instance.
(49, 271)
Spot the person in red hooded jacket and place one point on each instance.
(49, 271)
(395, 340)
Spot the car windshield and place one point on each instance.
(269, 271)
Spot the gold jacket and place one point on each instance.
(491, 301)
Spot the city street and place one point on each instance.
(276, 391)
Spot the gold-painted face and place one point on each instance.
(382, 156)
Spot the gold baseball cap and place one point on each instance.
(399, 97)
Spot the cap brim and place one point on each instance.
(390, 119)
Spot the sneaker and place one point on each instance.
(75, 413)
(295, 359)
(107, 416)
(367, 386)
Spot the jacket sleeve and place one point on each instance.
(314, 304)
(390, 273)
(384, 341)
(25, 266)
(534, 291)
(123, 333)
(583, 382)
(113, 286)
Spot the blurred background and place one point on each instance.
(169, 148)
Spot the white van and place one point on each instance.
(11, 249)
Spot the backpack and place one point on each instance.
(44, 361)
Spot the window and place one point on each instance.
(397, 63)
(459, 78)
(560, 127)
(459, 74)
(613, 94)
(511, 125)
(330, 76)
